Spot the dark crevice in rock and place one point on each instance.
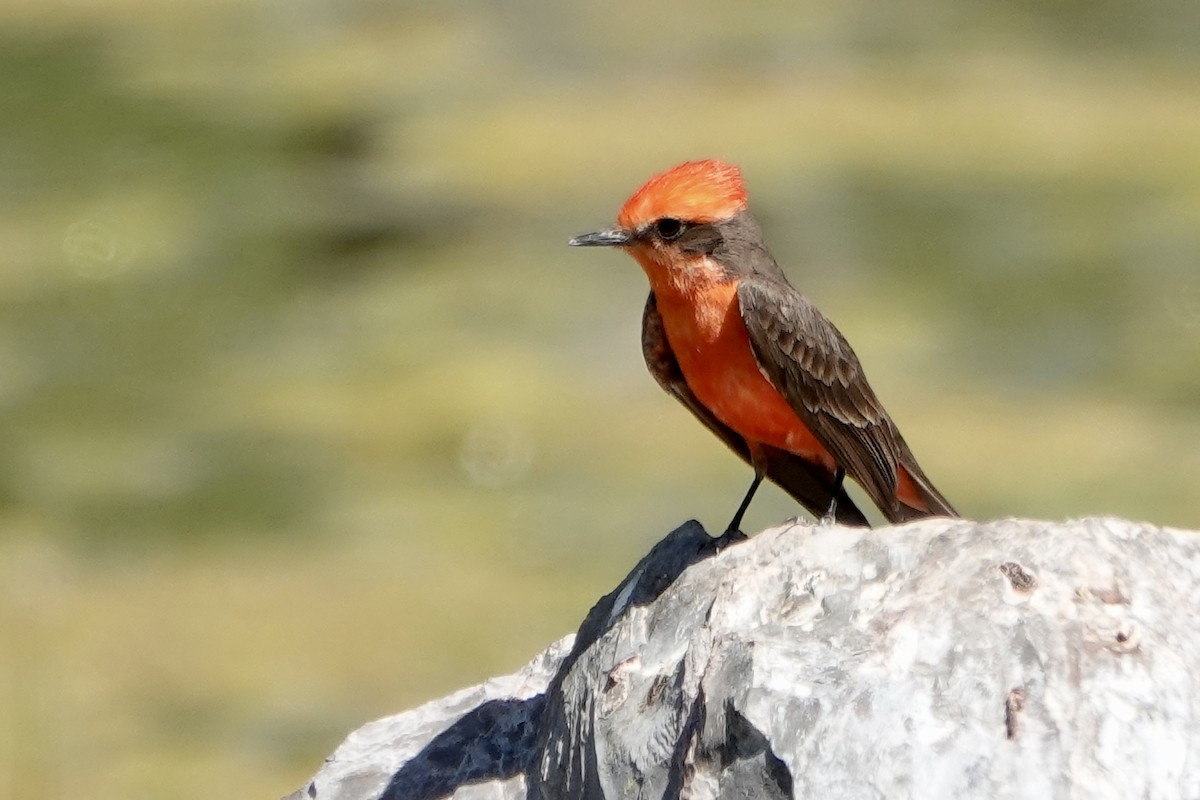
(680, 769)
(748, 745)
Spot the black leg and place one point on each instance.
(736, 523)
(831, 515)
(732, 534)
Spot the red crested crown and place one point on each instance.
(696, 191)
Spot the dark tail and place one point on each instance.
(916, 497)
(812, 486)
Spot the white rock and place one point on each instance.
(940, 659)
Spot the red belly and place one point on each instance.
(710, 341)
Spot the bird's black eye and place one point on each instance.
(668, 228)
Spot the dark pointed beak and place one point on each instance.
(612, 237)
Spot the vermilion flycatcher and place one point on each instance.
(755, 361)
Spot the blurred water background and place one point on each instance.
(308, 414)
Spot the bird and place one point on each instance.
(727, 335)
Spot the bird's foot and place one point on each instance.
(830, 516)
(729, 537)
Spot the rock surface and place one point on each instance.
(945, 658)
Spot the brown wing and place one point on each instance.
(813, 367)
(808, 483)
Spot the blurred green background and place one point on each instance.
(308, 414)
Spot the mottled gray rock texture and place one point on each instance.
(939, 659)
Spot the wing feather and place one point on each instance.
(808, 483)
(813, 366)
